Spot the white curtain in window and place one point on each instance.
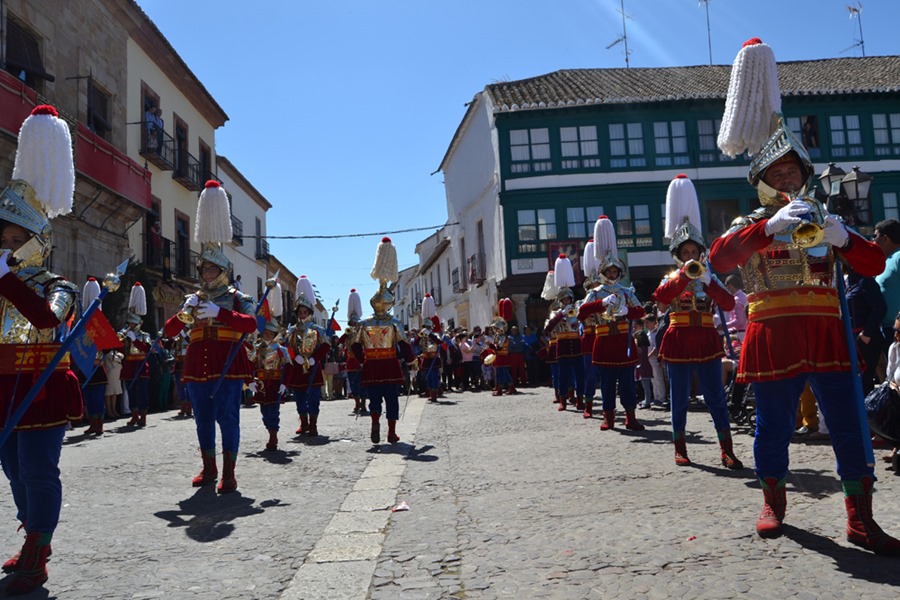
(520, 153)
(518, 137)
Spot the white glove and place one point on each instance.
(130, 335)
(299, 359)
(282, 389)
(786, 216)
(311, 361)
(207, 310)
(835, 232)
(4, 266)
(253, 387)
(611, 299)
(192, 300)
(706, 278)
(622, 310)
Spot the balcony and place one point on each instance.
(475, 268)
(158, 149)
(187, 170)
(158, 253)
(458, 280)
(98, 160)
(237, 231)
(436, 294)
(262, 249)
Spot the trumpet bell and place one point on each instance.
(186, 317)
(694, 269)
(808, 234)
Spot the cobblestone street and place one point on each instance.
(508, 498)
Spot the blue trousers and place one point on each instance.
(271, 415)
(504, 377)
(224, 409)
(181, 389)
(139, 394)
(433, 378)
(571, 375)
(354, 379)
(590, 377)
(94, 402)
(554, 377)
(390, 393)
(308, 400)
(709, 374)
(776, 417)
(621, 377)
(30, 462)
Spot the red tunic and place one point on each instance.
(380, 366)
(298, 379)
(792, 330)
(690, 336)
(612, 342)
(60, 399)
(211, 344)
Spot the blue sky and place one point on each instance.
(341, 110)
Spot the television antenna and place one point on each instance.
(624, 36)
(705, 4)
(856, 13)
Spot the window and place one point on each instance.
(23, 56)
(579, 147)
(806, 128)
(536, 227)
(846, 139)
(626, 145)
(887, 134)
(670, 139)
(182, 245)
(530, 150)
(98, 110)
(205, 163)
(580, 221)
(633, 226)
(889, 200)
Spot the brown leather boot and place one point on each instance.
(512, 390)
(142, 419)
(768, 525)
(609, 420)
(498, 391)
(272, 444)
(729, 460)
(392, 436)
(304, 425)
(375, 433)
(228, 482)
(209, 472)
(681, 455)
(313, 429)
(862, 529)
(32, 564)
(588, 409)
(135, 418)
(631, 421)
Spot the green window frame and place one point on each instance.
(670, 143)
(809, 139)
(626, 145)
(846, 135)
(535, 228)
(579, 147)
(886, 130)
(580, 221)
(529, 150)
(633, 226)
(889, 202)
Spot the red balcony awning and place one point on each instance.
(16, 102)
(100, 161)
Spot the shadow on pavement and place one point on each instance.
(276, 457)
(207, 516)
(858, 563)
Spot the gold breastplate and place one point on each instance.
(782, 266)
(378, 336)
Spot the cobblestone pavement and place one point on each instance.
(508, 499)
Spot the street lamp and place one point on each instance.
(848, 194)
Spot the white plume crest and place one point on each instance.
(550, 290)
(89, 293)
(137, 301)
(428, 308)
(564, 275)
(385, 267)
(354, 305)
(589, 263)
(275, 300)
(213, 222)
(304, 289)
(44, 159)
(681, 205)
(604, 239)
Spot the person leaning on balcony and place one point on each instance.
(795, 333)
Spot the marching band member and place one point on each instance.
(376, 342)
(94, 391)
(136, 367)
(794, 334)
(220, 315)
(589, 266)
(430, 344)
(179, 349)
(615, 352)
(549, 293)
(309, 344)
(500, 345)
(354, 367)
(691, 344)
(563, 325)
(269, 357)
(33, 303)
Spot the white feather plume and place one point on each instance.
(354, 305)
(275, 300)
(681, 205)
(428, 308)
(604, 239)
(137, 301)
(589, 262)
(385, 267)
(564, 276)
(550, 290)
(753, 97)
(44, 159)
(304, 289)
(89, 293)
(213, 222)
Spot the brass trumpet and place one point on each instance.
(694, 269)
(571, 312)
(811, 231)
(186, 315)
